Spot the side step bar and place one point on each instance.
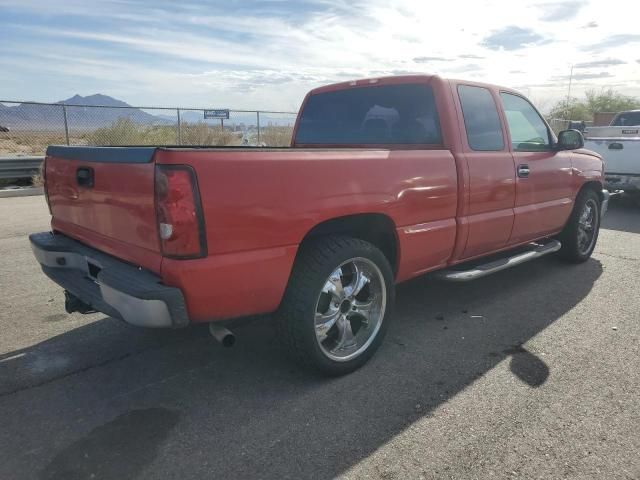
(480, 271)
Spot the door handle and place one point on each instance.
(523, 171)
(616, 146)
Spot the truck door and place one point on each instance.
(489, 215)
(543, 175)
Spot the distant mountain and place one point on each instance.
(189, 116)
(89, 116)
(96, 99)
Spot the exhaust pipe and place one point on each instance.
(222, 335)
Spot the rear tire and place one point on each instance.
(337, 306)
(580, 234)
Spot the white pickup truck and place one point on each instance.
(619, 145)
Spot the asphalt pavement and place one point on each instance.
(533, 372)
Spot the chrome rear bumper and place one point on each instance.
(109, 285)
(604, 206)
(628, 182)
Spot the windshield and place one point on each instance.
(388, 114)
(626, 119)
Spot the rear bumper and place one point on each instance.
(604, 206)
(109, 285)
(628, 183)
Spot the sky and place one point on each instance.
(267, 54)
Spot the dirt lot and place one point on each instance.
(530, 373)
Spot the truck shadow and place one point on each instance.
(623, 214)
(246, 412)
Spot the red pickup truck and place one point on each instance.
(386, 179)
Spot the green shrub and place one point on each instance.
(276, 136)
(202, 134)
(127, 132)
(124, 131)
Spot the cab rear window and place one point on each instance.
(371, 115)
(627, 119)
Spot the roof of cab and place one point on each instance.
(399, 79)
(395, 79)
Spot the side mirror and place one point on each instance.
(570, 140)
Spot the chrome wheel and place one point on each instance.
(350, 309)
(587, 225)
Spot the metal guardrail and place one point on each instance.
(19, 167)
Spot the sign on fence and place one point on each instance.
(219, 113)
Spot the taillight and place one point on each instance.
(179, 212)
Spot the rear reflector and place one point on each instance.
(179, 212)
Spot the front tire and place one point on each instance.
(336, 309)
(580, 235)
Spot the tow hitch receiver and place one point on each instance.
(74, 304)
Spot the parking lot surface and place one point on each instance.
(531, 373)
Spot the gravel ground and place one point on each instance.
(531, 373)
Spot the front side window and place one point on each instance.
(528, 131)
(383, 114)
(481, 120)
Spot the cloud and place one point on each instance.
(607, 62)
(535, 85)
(404, 72)
(556, 12)
(268, 53)
(469, 67)
(516, 71)
(348, 74)
(513, 38)
(431, 59)
(616, 40)
(589, 76)
(584, 76)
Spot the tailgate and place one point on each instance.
(612, 132)
(621, 155)
(104, 197)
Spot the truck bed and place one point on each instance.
(297, 188)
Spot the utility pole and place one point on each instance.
(568, 110)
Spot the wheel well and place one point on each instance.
(593, 185)
(374, 228)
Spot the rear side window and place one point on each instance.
(385, 114)
(481, 120)
(626, 119)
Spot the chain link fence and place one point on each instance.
(27, 128)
